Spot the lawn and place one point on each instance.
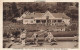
(12, 28)
(7, 25)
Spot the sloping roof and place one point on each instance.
(60, 15)
(32, 15)
(39, 15)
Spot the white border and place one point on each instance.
(1, 18)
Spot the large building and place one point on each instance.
(44, 18)
(47, 18)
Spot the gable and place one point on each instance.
(48, 14)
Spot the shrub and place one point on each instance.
(14, 20)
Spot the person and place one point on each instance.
(49, 37)
(11, 34)
(22, 37)
(12, 39)
(75, 38)
(35, 35)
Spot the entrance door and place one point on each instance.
(48, 20)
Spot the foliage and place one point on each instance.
(15, 10)
(12, 10)
(16, 29)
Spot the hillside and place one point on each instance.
(12, 9)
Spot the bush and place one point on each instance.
(16, 33)
(14, 20)
(4, 45)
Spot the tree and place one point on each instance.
(77, 4)
(25, 9)
(30, 9)
(4, 14)
(15, 10)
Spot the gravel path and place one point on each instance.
(63, 44)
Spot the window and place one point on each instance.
(43, 21)
(54, 20)
(37, 21)
(59, 20)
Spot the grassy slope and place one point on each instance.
(7, 24)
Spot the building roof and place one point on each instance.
(40, 15)
(60, 15)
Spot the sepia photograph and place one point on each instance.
(40, 25)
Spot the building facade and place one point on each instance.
(56, 21)
(45, 18)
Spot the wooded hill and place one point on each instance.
(12, 9)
